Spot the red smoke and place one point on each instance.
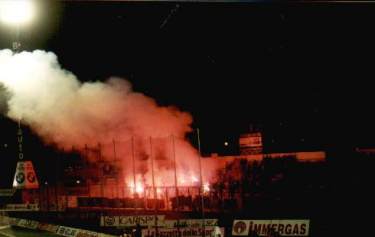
(69, 113)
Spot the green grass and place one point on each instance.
(20, 232)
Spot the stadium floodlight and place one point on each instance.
(17, 12)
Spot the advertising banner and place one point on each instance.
(190, 223)
(29, 224)
(129, 221)
(48, 227)
(67, 231)
(86, 233)
(21, 207)
(264, 227)
(209, 231)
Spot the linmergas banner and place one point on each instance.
(264, 227)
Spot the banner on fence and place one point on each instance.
(29, 224)
(67, 231)
(21, 207)
(190, 223)
(129, 221)
(265, 227)
(48, 227)
(210, 231)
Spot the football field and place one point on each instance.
(7, 231)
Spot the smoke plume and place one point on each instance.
(64, 111)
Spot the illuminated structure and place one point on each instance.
(251, 143)
(93, 180)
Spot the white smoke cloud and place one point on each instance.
(64, 111)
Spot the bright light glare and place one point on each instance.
(206, 187)
(16, 12)
(139, 189)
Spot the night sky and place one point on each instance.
(301, 72)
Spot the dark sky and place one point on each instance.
(302, 72)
